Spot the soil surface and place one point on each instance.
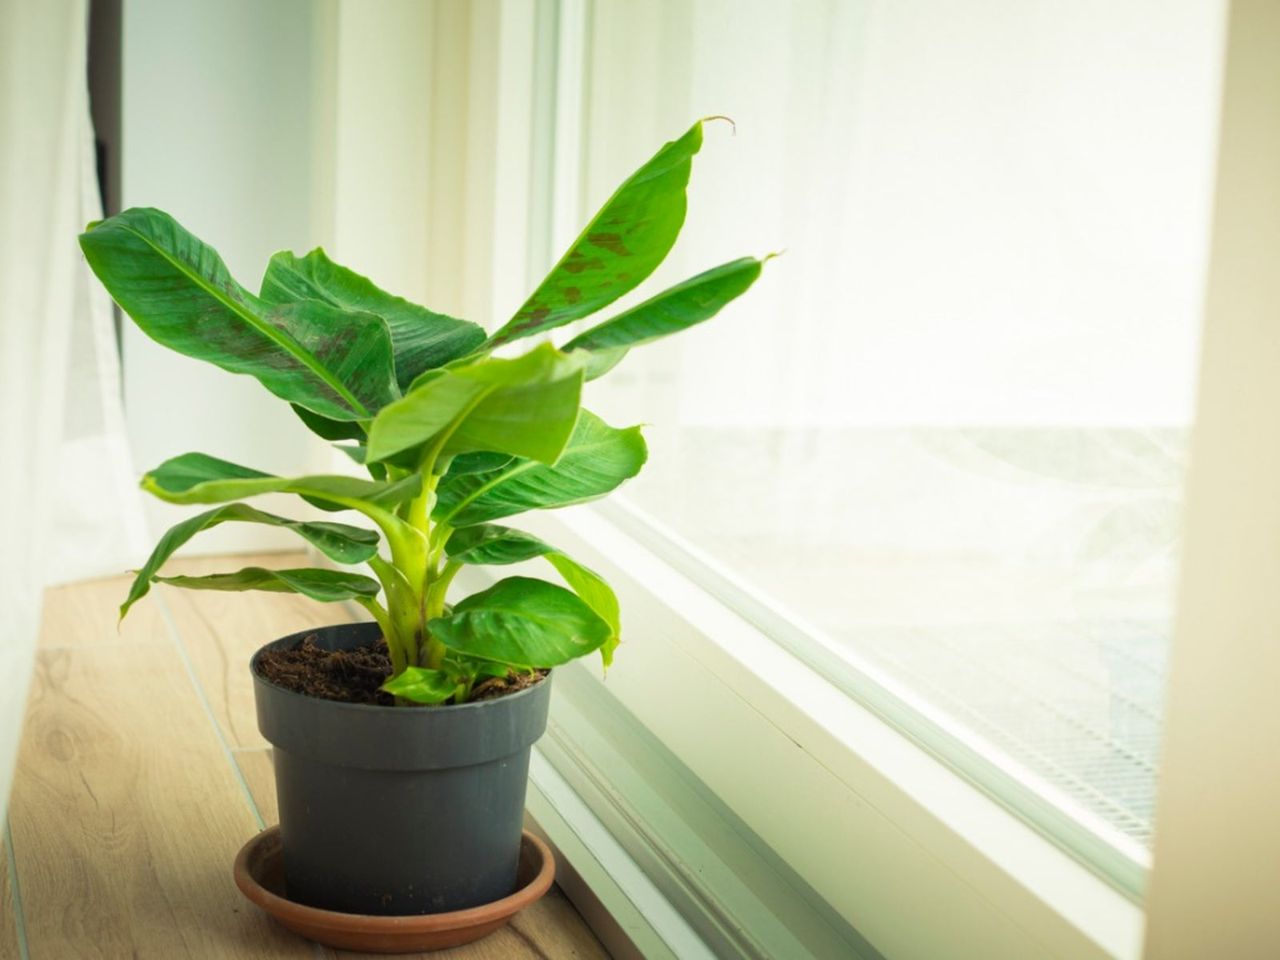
(495, 687)
(351, 676)
(355, 676)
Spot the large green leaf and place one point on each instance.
(677, 308)
(524, 622)
(200, 478)
(420, 338)
(624, 242)
(339, 541)
(597, 458)
(526, 406)
(490, 544)
(327, 586)
(177, 289)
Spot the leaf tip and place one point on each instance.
(733, 127)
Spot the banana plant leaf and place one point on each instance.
(596, 460)
(492, 545)
(200, 478)
(334, 362)
(327, 586)
(677, 308)
(624, 243)
(421, 339)
(525, 407)
(523, 622)
(338, 541)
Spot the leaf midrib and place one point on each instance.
(270, 332)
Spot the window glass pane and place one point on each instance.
(948, 427)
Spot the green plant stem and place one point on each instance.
(383, 619)
(403, 627)
(436, 597)
(463, 693)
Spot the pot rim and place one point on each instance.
(374, 707)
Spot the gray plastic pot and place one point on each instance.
(397, 810)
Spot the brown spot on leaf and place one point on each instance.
(533, 317)
(572, 294)
(579, 264)
(609, 241)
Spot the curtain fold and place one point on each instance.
(67, 507)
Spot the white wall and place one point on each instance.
(218, 127)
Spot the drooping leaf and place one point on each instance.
(597, 459)
(677, 308)
(328, 586)
(522, 621)
(494, 545)
(595, 593)
(624, 242)
(421, 685)
(526, 406)
(200, 478)
(339, 541)
(420, 338)
(177, 289)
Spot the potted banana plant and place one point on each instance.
(401, 745)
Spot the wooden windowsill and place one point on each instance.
(142, 772)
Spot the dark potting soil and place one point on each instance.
(355, 676)
(351, 676)
(495, 687)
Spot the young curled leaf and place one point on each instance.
(525, 406)
(422, 685)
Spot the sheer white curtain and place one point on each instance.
(67, 504)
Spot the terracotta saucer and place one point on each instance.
(259, 873)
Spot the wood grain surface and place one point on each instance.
(8, 919)
(138, 776)
(89, 612)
